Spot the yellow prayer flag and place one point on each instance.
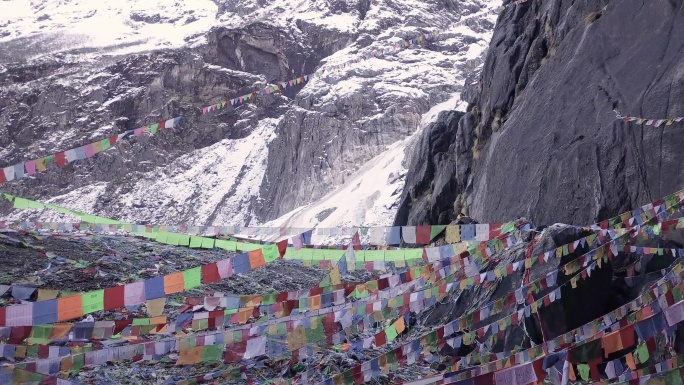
(296, 339)
(453, 234)
(335, 276)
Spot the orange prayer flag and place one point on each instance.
(612, 342)
(161, 320)
(66, 364)
(243, 315)
(630, 361)
(174, 283)
(69, 307)
(191, 356)
(400, 325)
(315, 302)
(253, 300)
(60, 331)
(256, 259)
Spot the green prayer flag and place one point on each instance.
(291, 253)
(78, 361)
(394, 255)
(436, 230)
(507, 227)
(21, 203)
(413, 254)
(326, 281)
(196, 242)
(391, 333)
(268, 299)
(105, 144)
(673, 377)
(35, 205)
(192, 278)
(375, 255)
(41, 334)
(183, 240)
(642, 353)
(583, 370)
(333, 254)
(212, 353)
(162, 237)
(270, 252)
(303, 304)
(316, 334)
(32, 351)
(141, 321)
(207, 243)
(242, 246)
(226, 245)
(154, 128)
(92, 301)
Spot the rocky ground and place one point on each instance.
(77, 263)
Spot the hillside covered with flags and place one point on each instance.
(341, 192)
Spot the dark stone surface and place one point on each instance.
(540, 138)
(436, 167)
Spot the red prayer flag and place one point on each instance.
(114, 297)
(210, 273)
(423, 235)
(19, 334)
(61, 159)
(282, 247)
(43, 351)
(380, 339)
(120, 325)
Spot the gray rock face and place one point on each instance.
(542, 138)
(435, 170)
(242, 166)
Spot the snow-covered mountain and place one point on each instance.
(329, 153)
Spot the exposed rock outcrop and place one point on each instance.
(540, 138)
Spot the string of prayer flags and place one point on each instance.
(645, 306)
(31, 167)
(459, 325)
(71, 309)
(391, 333)
(280, 86)
(417, 350)
(650, 122)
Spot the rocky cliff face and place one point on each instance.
(540, 138)
(243, 166)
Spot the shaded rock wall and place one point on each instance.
(542, 138)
